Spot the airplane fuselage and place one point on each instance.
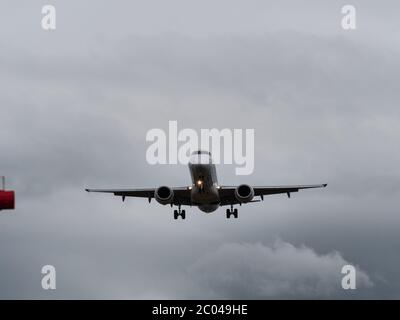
(204, 193)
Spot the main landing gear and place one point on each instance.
(179, 212)
(231, 212)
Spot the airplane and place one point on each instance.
(205, 191)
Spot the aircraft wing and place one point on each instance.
(227, 193)
(181, 194)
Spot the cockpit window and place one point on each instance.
(201, 152)
(201, 157)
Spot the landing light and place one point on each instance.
(199, 182)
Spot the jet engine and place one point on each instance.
(244, 193)
(164, 195)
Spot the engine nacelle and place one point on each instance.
(244, 193)
(7, 200)
(164, 195)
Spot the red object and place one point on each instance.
(7, 200)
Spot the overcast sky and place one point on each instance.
(76, 104)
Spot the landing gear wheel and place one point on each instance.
(233, 212)
(179, 212)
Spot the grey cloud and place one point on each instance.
(75, 106)
(256, 271)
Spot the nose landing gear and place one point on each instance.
(230, 212)
(179, 212)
